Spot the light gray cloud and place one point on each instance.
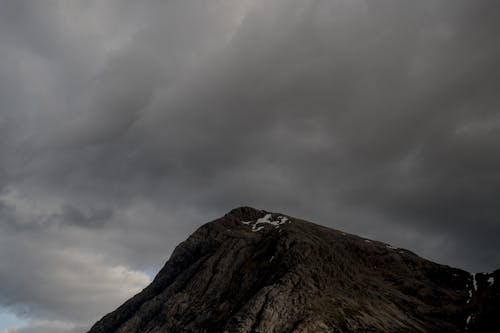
(44, 275)
(45, 326)
(124, 127)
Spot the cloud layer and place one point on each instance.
(123, 127)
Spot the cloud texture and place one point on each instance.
(125, 125)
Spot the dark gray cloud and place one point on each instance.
(124, 127)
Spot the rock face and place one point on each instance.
(255, 271)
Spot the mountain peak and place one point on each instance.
(257, 271)
(245, 213)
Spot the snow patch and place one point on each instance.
(473, 289)
(367, 241)
(265, 219)
(491, 280)
(467, 322)
(260, 223)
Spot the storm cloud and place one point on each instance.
(124, 126)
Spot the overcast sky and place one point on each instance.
(125, 125)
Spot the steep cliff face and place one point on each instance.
(255, 271)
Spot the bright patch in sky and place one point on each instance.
(152, 272)
(9, 320)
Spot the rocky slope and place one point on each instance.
(255, 271)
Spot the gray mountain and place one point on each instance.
(256, 271)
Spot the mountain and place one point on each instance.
(256, 271)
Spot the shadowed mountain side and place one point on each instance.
(255, 271)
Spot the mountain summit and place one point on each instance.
(256, 271)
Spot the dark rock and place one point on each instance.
(283, 274)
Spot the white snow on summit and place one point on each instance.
(267, 219)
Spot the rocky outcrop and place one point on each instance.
(255, 271)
